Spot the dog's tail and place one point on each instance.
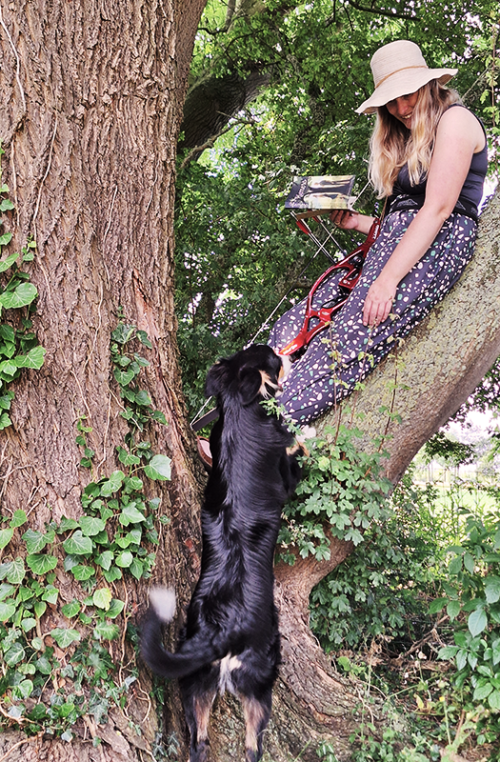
(191, 656)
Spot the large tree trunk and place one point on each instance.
(92, 99)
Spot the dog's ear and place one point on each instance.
(216, 378)
(249, 384)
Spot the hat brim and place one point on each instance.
(403, 83)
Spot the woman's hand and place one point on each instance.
(345, 219)
(379, 301)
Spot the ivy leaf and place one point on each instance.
(5, 537)
(28, 624)
(124, 559)
(40, 608)
(22, 295)
(41, 563)
(16, 572)
(7, 609)
(8, 262)
(91, 525)
(82, 572)
(34, 359)
(35, 541)
(115, 608)
(106, 631)
(18, 519)
(131, 515)
(113, 484)
(105, 559)
(71, 609)
(66, 525)
(494, 700)
(477, 622)
(14, 655)
(65, 638)
(78, 544)
(158, 468)
(102, 598)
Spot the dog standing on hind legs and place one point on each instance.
(231, 638)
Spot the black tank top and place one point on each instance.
(406, 196)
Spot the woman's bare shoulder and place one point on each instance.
(461, 121)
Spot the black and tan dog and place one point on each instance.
(231, 638)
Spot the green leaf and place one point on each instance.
(105, 559)
(6, 590)
(106, 631)
(494, 700)
(7, 609)
(24, 294)
(102, 598)
(67, 525)
(158, 468)
(91, 525)
(71, 609)
(35, 541)
(28, 624)
(63, 637)
(130, 515)
(82, 572)
(34, 359)
(477, 622)
(482, 692)
(437, 605)
(41, 563)
(8, 262)
(16, 572)
(18, 519)
(115, 608)
(453, 609)
(113, 484)
(123, 560)
(492, 589)
(14, 655)
(40, 608)
(50, 594)
(5, 537)
(5, 239)
(78, 544)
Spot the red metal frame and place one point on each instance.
(353, 265)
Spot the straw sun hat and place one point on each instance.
(399, 69)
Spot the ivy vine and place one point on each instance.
(55, 675)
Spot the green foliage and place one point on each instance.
(472, 601)
(52, 677)
(18, 344)
(342, 493)
(378, 591)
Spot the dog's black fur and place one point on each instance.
(231, 638)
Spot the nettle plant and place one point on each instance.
(53, 675)
(18, 343)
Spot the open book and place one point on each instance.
(321, 193)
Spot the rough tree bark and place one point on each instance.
(92, 99)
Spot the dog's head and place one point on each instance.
(250, 373)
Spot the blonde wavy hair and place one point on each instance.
(392, 145)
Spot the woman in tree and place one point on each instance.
(428, 158)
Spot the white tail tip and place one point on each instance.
(162, 600)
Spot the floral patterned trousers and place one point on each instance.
(346, 351)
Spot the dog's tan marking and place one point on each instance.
(297, 447)
(254, 714)
(202, 707)
(227, 665)
(267, 381)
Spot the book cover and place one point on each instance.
(321, 193)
